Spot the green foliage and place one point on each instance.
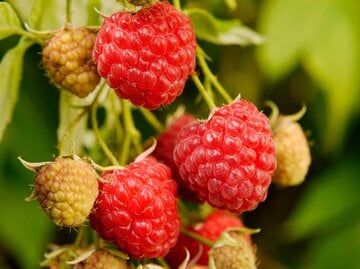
(11, 71)
(327, 216)
(322, 207)
(323, 36)
(220, 31)
(9, 21)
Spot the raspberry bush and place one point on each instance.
(159, 149)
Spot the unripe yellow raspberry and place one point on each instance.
(65, 188)
(292, 152)
(234, 253)
(67, 59)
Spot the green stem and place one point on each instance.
(81, 236)
(203, 91)
(150, 117)
(96, 239)
(177, 4)
(208, 73)
(69, 130)
(99, 139)
(197, 237)
(68, 11)
(274, 114)
(30, 35)
(130, 126)
(162, 262)
(125, 149)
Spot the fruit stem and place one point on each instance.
(93, 17)
(203, 91)
(96, 238)
(177, 4)
(69, 130)
(99, 139)
(197, 237)
(81, 236)
(208, 73)
(274, 114)
(150, 117)
(125, 149)
(132, 135)
(162, 263)
(68, 11)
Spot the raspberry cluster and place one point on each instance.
(226, 162)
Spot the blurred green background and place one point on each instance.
(311, 55)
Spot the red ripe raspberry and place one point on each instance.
(166, 142)
(137, 209)
(146, 56)
(230, 158)
(214, 225)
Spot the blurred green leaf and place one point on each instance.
(221, 32)
(9, 21)
(25, 228)
(47, 14)
(11, 73)
(287, 25)
(339, 250)
(69, 123)
(332, 60)
(324, 36)
(93, 18)
(328, 198)
(22, 8)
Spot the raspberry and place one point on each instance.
(66, 190)
(214, 225)
(164, 152)
(234, 253)
(146, 56)
(102, 259)
(293, 153)
(137, 209)
(230, 158)
(67, 59)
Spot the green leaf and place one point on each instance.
(287, 26)
(329, 198)
(25, 228)
(93, 18)
(47, 14)
(11, 74)
(339, 250)
(332, 60)
(68, 112)
(222, 32)
(9, 21)
(324, 37)
(21, 7)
